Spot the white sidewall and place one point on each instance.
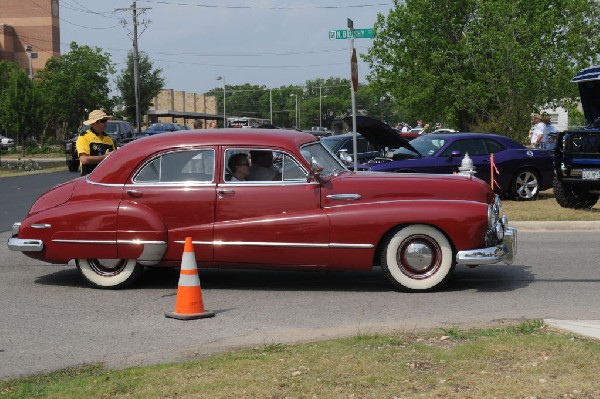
(419, 284)
(106, 281)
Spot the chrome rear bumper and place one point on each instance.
(504, 252)
(24, 244)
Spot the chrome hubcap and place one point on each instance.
(419, 256)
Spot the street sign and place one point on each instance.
(357, 33)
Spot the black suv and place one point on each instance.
(577, 152)
(121, 132)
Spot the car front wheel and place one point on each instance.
(525, 185)
(110, 273)
(418, 258)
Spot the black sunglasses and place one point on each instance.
(102, 120)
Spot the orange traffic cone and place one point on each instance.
(189, 304)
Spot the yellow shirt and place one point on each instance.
(93, 144)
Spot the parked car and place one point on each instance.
(342, 145)
(161, 127)
(522, 172)
(6, 142)
(320, 131)
(140, 204)
(373, 140)
(121, 132)
(577, 151)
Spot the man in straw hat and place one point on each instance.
(94, 145)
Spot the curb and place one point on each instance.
(586, 328)
(576, 225)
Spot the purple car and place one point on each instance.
(522, 172)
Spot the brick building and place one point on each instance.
(183, 108)
(29, 22)
(36, 23)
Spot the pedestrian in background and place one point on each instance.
(537, 134)
(94, 144)
(551, 131)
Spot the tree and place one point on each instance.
(74, 84)
(482, 64)
(151, 81)
(19, 103)
(330, 96)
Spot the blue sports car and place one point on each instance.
(521, 172)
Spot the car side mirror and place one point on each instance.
(345, 157)
(315, 171)
(455, 153)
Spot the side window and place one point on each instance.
(261, 165)
(362, 145)
(493, 146)
(348, 146)
(180, 166)
(290, 170)
(472, 146)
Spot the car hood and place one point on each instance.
(384, 186)
(588, 81)
(379, 134)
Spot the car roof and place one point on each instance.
(131, 155)
(465, 135)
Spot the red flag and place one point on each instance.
(493, 169)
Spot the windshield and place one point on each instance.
(426, 145)
(316, 152)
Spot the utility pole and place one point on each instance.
(136, 61)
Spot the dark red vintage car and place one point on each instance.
(311, 213)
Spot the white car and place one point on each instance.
(6, 142)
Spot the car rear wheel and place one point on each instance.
(525, 185)
(569, 196)
(110, 273)
(418, 258)
(73, 166)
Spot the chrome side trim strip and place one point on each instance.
(140, 242)
(106, 242)
(281, 244)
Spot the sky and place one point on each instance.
(260, 42)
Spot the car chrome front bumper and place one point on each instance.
(504, 252)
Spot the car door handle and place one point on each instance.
(134, 193)
(226, 193)
(344, 197)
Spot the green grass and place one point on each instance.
(515, 361)
(546, 209)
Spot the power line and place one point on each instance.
(316, 7)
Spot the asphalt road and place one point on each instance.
(17, 194)
(50, 319)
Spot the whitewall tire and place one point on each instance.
(109, 273)
(418, 258)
